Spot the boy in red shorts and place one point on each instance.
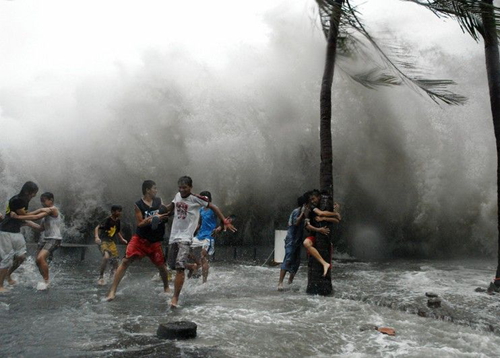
(315, 216)
(148, 237)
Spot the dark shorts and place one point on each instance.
(291, 262)
(139, 247)
(178, 254)
(50, 245)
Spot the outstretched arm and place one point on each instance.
(33, 225)
(216, 210)
(22, 215)
(327, 213)
(327, 219)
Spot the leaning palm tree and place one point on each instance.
(343, 28)
(480, 19)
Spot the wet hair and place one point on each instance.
(185, 180)
(147, 184)
(29, 188)
(207, 194)
(47, 195)
(314, 192)
(301, 200)
(116, 208)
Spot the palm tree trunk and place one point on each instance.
(493, 73)
(316, 283)
(325, 131)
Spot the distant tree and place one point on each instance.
(480, 19)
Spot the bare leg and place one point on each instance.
(192, 268)
(17, 262)
(41, 262)
(291, 277)
(114, 266)
(3, 274)
(164, 277)
(205, 266)
(314, 253)
(178, 283)
(282, 277)
(104, 263)
(120, 272)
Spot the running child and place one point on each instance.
(105, 235)
(148, 237)
(51, 238)
(203, 244)
(12, 242)
(186, 207)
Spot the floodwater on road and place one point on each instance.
(240, 313)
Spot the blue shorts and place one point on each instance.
(291, 262)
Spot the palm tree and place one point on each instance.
(336, 17)
(480, 19)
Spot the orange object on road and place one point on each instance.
(387, 330)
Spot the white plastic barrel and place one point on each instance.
(279, 245)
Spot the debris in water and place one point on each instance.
(387, 330)
(434, 302)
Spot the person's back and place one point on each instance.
(208, 224)
(10, 224)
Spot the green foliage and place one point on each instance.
(388, 67)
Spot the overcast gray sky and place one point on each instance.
(41, 39)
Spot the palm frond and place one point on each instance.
(373, 78)
(392, 71)
(468, 13)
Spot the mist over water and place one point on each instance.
(414, 178)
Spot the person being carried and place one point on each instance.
(186, 207)
(314, 217)
(293, 241)
(51, 238)
(12, 242)
(203, 244)
(148, 237)
(105, 235)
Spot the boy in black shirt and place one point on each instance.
(105, 234)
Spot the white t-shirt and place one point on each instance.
(186, 217)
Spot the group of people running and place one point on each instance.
(192, 215)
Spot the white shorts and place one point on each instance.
(11, 245)
(205, 244)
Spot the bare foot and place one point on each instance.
(174, 303)
(280, 286)
(4, 290)
(42, 286)
(167, 290)
(326, 267)
(11, 281)
(101, 282)
(110, 297)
